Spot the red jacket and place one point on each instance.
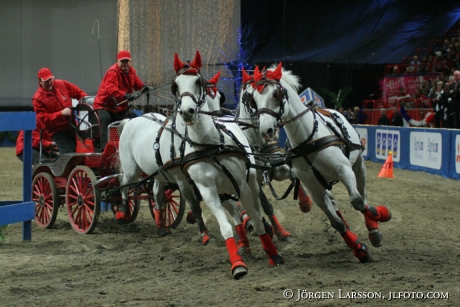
(48, 105)
(46, 141)
(116, 84)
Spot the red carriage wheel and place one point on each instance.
(46, 198)
(174, 207)
(82, 199)
(134, 204)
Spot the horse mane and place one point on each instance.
(289, 78)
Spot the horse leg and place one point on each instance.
(327, 203)
(243, 242)
(129, 172)
(196, 211)
(159, 210)
(372, 215)
(211, 198)
(251, 202)
(279, 230)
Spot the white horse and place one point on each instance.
(217, 161)
(325, 149)
(267, 151)
(150, 144)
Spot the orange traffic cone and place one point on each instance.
(387, 168)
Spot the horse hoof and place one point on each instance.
(276, 260)
(363, 254)
(283, 235)
(239, 272)
(375, 236)
(190, 218)
(163, 232)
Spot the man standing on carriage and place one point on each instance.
(114, 94)
(53, 105)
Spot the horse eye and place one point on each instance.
(275, 95)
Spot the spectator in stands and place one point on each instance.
(437, 96)
(114, 94)
(52, 103)
(395, 70)
(421, 100)
(415, 63)
(453, 99)
(424, 67)
(383, 119)
(350, 115)
(397, 119)
(426, 87)
(49, 148)
(445, 47)
(456, 62)
(359, 116)
(409, 70)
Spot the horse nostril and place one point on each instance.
(191, 111)
(270, 132)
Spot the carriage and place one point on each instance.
(85, 183)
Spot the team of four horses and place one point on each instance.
(221, 160)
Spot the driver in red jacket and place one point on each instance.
(115, 91)
(52, 104)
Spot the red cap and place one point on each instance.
(45, 74)
(124, 55)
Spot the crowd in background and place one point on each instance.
(439, 90)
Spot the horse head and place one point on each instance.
(194, 94)
(268, 98)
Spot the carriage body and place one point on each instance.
(85, 183)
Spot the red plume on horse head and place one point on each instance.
(246, 77)
(194, 66)
(211, 86)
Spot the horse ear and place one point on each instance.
(215, 79)
(177, 63)
(257, 73)
(197, 61)
(278, 72)
(246, 76)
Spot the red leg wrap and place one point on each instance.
(121, 216)
(270, 250)
(235, 257)
(360, 250)
(373, 215)
(352, 240)
(162, 230)
(159, 220)
(280, 232)
(304, 201)
(243, 241)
